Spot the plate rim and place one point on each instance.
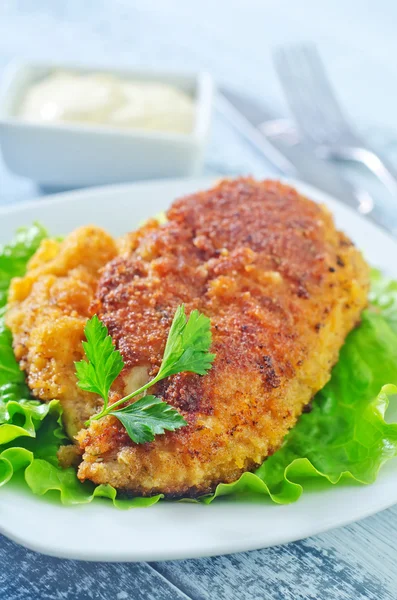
(131, 555)
(64, 195)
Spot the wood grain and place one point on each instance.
(26, 575)
(356, 562)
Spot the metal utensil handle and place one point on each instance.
(380, 166)
(297, 161)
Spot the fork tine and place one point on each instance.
(322, 83)
(289, 68)
(314, 93)
(309, 92)
(318, 114)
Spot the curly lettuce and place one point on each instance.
(344, 437)
(15, 255)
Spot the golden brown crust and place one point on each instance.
(47, 312)
(282, 288)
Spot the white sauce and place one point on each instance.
(107, 100)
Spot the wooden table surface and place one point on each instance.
(232, 38)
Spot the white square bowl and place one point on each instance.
(76, 155)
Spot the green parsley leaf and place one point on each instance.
(187, 345)
(186, 350)
(148, 417)
(105, 362)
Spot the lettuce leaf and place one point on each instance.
(15, 255)
(38, 458)
(383, 297)
(18, 414)
(344, 437)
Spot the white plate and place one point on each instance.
(174, 530)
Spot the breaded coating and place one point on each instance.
(282, 288)
(47, 312)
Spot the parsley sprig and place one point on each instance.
(186, 350)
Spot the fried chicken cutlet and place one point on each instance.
(47, 312)
(282, 288)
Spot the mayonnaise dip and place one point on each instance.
(105, 99)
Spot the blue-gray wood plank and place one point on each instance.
(355, 562)
(26, 575)
(232, 39)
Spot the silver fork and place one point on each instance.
(319, 115)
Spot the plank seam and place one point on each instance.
(170, 582)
